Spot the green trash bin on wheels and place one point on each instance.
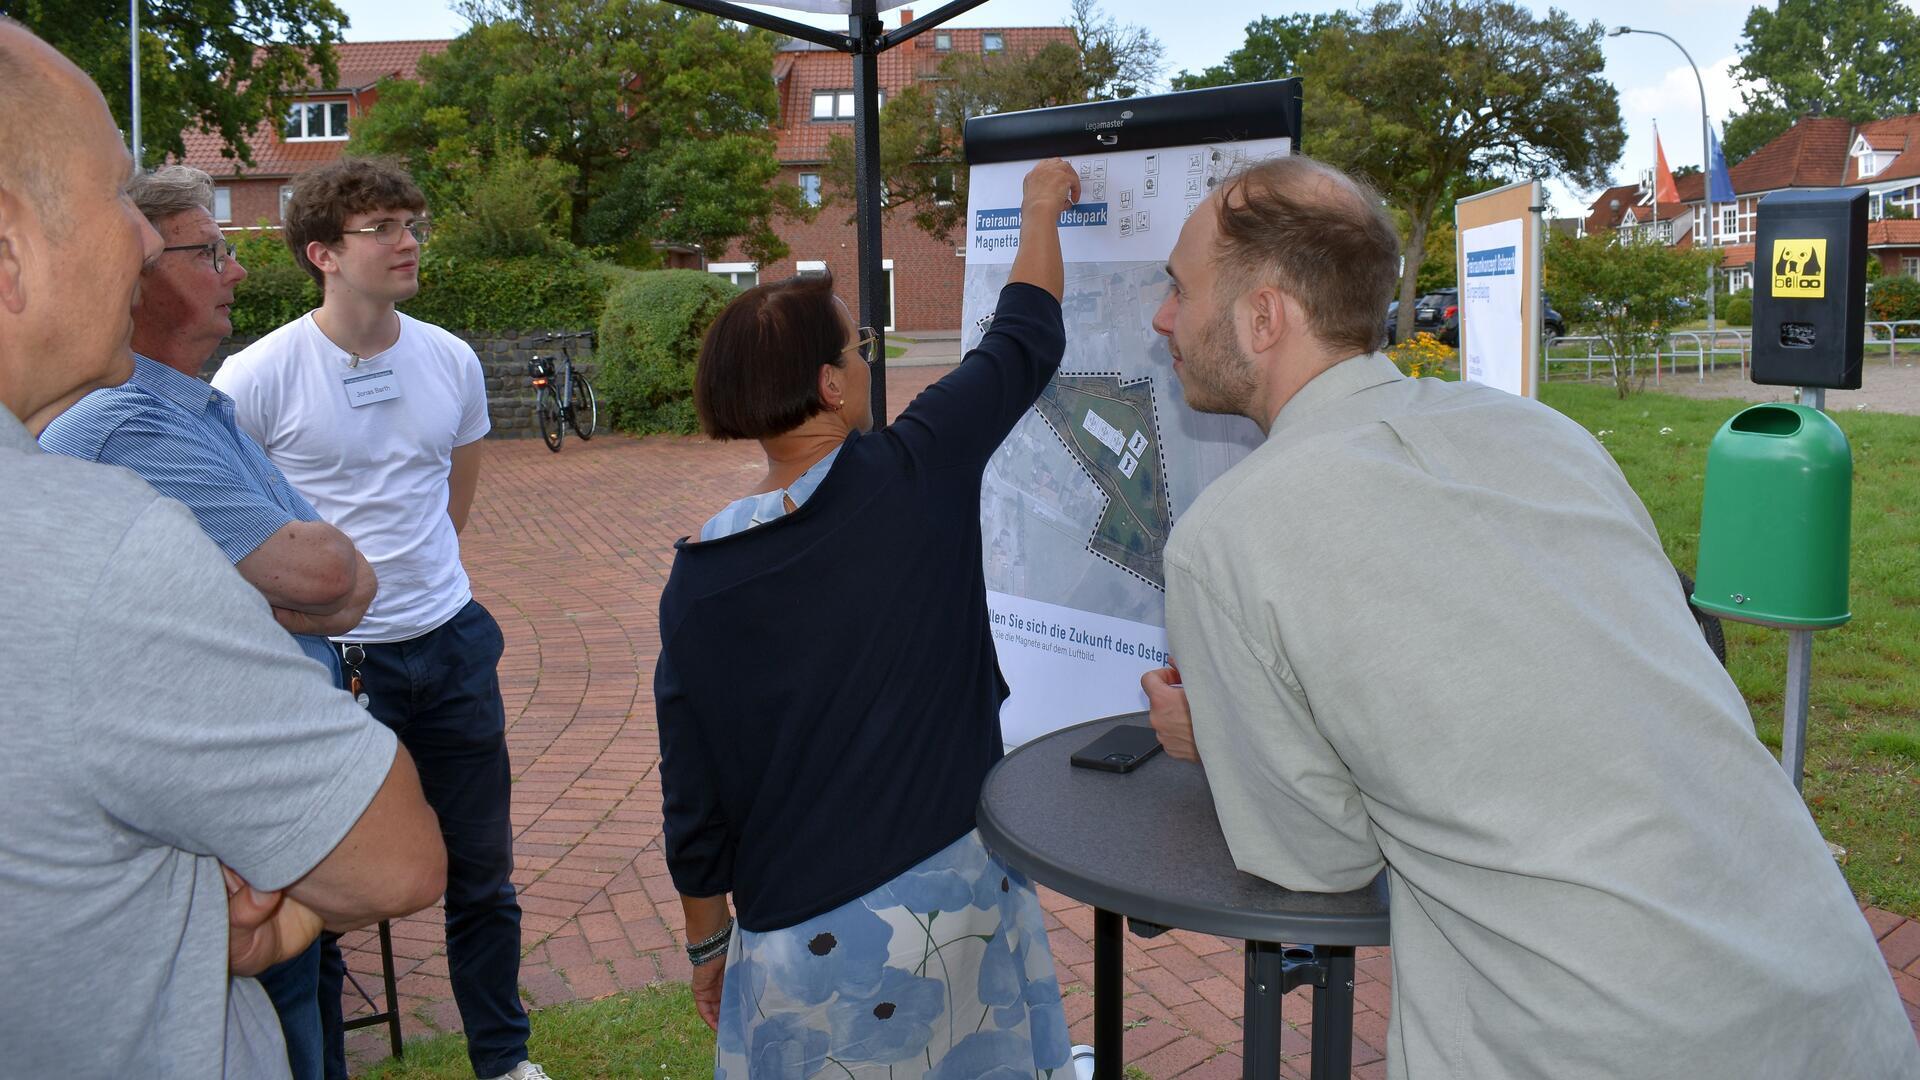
(1776, 522)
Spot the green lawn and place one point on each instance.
(1863, 745)
(651, 1033)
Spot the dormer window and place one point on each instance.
(311, 121)
(1871, 162)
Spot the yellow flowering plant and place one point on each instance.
(1423, 355)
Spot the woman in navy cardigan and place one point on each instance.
(828, 700)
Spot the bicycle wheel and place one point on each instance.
(546, 406)
(585, 414)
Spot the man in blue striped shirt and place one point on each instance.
(178, 434)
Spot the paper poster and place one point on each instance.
(1079, 501)
(1493, 331)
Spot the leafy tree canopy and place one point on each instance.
(1419, 97)
(1626, 290)
(1851, 58)
(1275, 48)
(659, 118)
(221, 66)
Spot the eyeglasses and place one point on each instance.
(863, 343)
(217, 251)
(388, 232)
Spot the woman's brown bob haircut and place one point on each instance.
(323, 200)
(1320, 236)
(759, 367)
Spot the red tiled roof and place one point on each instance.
(1901, 133)
(362, 64)
(1692, 187)
(801, 139)
(1736, 255)
(1604, 218)
(1811, 153)
(1905, 233)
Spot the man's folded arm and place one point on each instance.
(391, 863)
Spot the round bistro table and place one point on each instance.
(1146, 847)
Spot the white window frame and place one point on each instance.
(1729, 221)
(811, 197)
(993, 42)
(809, 266)
(222, 194)
(1910, 265)
(732, 271)
(840, 106)
(327, 113)
(943, 41)
(286, 192)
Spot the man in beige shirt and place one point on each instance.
(1429, 626)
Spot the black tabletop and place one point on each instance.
(1148, 844)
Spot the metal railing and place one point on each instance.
(1894, 340)
(1706, 351)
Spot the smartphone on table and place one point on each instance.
(1121, 748)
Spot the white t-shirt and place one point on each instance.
(376, 471)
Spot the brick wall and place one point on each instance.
(254, 201)
(928, 278)
(503, 359)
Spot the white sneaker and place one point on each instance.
(1083, 1062)
(526, 1070)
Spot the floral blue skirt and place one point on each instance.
(943, 972)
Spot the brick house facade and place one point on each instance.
(1882, 156)
(313, 133)
(924, 275)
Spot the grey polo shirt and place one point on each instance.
(157, 723)
(1429, 626)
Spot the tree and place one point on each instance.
(1850, 58)
(1276, 46)
(660, 118)
(921, 127)
(1627, 290)
(221, 66)
(1418, 98)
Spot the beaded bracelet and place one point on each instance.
(705, 952)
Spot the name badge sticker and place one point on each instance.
(367, 387)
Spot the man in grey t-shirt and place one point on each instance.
(184, 798)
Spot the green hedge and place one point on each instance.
(649, 339)
(1739, 311)
(556, 292)
(1894, 298)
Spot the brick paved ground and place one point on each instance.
(570, 551)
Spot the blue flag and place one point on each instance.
(1719, 184)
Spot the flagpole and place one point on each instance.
(1706, 171)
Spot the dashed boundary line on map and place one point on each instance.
(1160, 451)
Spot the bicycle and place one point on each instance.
(563, 397)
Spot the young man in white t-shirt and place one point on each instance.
(377, 418)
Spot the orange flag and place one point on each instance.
(1664, 189)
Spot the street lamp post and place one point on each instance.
(133, 19)
(1706, 166)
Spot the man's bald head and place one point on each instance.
(72, 243)
(1318, 235)
(37, 94)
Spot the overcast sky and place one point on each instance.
(1655, 83)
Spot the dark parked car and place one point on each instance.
(1438, 313)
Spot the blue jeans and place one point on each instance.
(293, 985)
(440, 694)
